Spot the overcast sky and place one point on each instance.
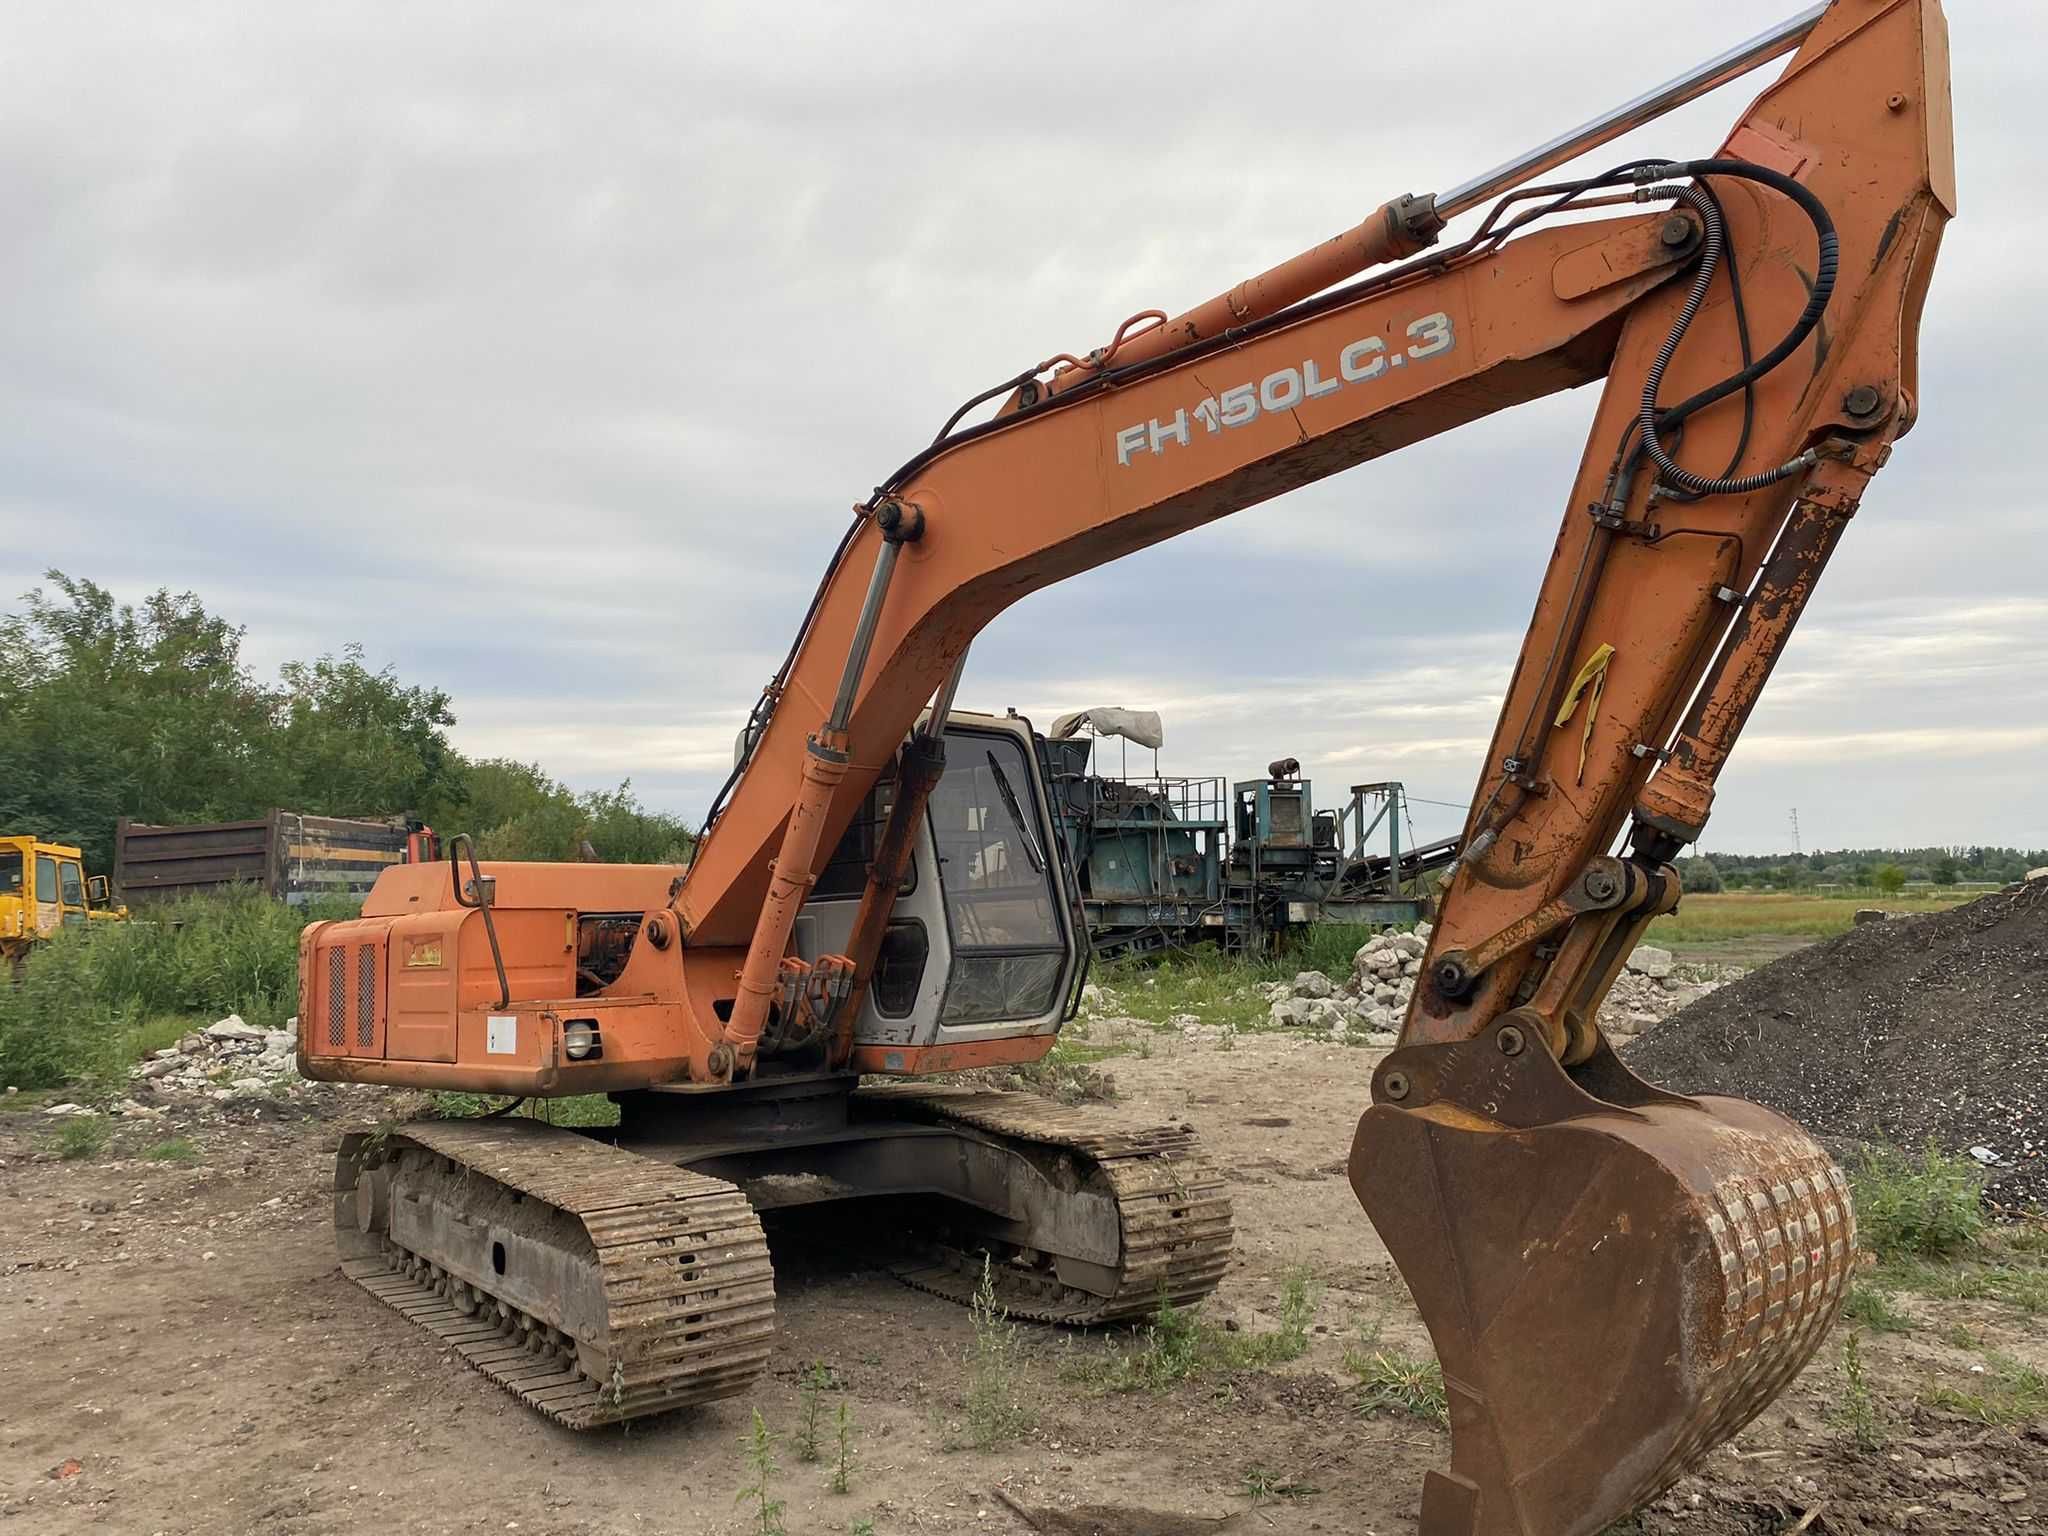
(543, 348)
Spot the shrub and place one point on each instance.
(83, 992)
(1927, 1205)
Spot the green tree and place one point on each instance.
(1889, 878)
(1698, 875)
(110, 709)
(360, 743)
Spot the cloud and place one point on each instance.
(543, 350)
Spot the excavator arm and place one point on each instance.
(1616, 1278)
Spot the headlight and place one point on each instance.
(580, 1040)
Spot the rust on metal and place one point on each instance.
(1616, 1279)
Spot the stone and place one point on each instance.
(1869, 915)
(1424, 930)
(163, 1068)
(277, 1041)
(1312, 984)
(66, 1109)
(1413, 967)
(247, 1084)
(1409, 945)
(232, 1028)
(1325, 1014)
(1648, 960)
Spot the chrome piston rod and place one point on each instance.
(1695, 82)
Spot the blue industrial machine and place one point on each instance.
(1163, 861)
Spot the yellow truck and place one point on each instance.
(44, 886)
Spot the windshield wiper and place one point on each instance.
(1016, 815)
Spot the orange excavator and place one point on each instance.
(1616, 1278)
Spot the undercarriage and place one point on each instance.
(602, 1276)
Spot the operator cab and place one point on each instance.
(983, 943)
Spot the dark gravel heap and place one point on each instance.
(1932, 1026)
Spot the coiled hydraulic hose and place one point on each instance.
(1651, 418)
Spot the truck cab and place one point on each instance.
(44, 887)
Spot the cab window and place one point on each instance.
(72, 884)
(46, 878)
(1002, 904)
(10, 871)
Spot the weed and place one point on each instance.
(1959, 1337)
(759, 1446)
(1873, 1307)
(993, 1412)
(811, 1400)
(176, 1150)
(842, 1465)
(582, 1109)
(1261, 1486)
(1927, 1205)
(81, 1136)
(2013, 1393)
(1857, 1410)
(861, 1527)
(1176, 1345)
(1392, 1384)
(2021, 1287)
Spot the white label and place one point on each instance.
(501, 1034)
(1364, 360)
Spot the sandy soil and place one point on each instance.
(181, 1333)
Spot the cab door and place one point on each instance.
(48, 911)
(71, 893)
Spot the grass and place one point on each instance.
(1856, 1410)
(994, 1414)
(1872, 1306)
(90, 1000)
(2012, 1393)
(176, 1150)
(1225, 989)
(810, 1408)
(582, 1109)
(1176, 1345)
(1396, 1385)
(1925, 1205)
(765, 1518)
(1712, 919)
(842, 1464)
(1262, 1487)
(81, 1136)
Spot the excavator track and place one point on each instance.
(594, 1285)
(1172, 1206)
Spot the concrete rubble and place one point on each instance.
(227, 1063)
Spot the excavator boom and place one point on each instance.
(1616, 1278)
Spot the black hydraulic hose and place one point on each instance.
(1651, 417)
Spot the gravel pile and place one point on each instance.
(1933, 1026)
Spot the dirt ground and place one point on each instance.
(182, 1335)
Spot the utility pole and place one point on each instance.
(1795, 831)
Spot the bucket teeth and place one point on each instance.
(594, 1285)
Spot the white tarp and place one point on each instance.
(1140, 725)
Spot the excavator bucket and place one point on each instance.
(1616, 1279)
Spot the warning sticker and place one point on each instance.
(501, 1034)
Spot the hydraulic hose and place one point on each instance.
(1651, 417)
